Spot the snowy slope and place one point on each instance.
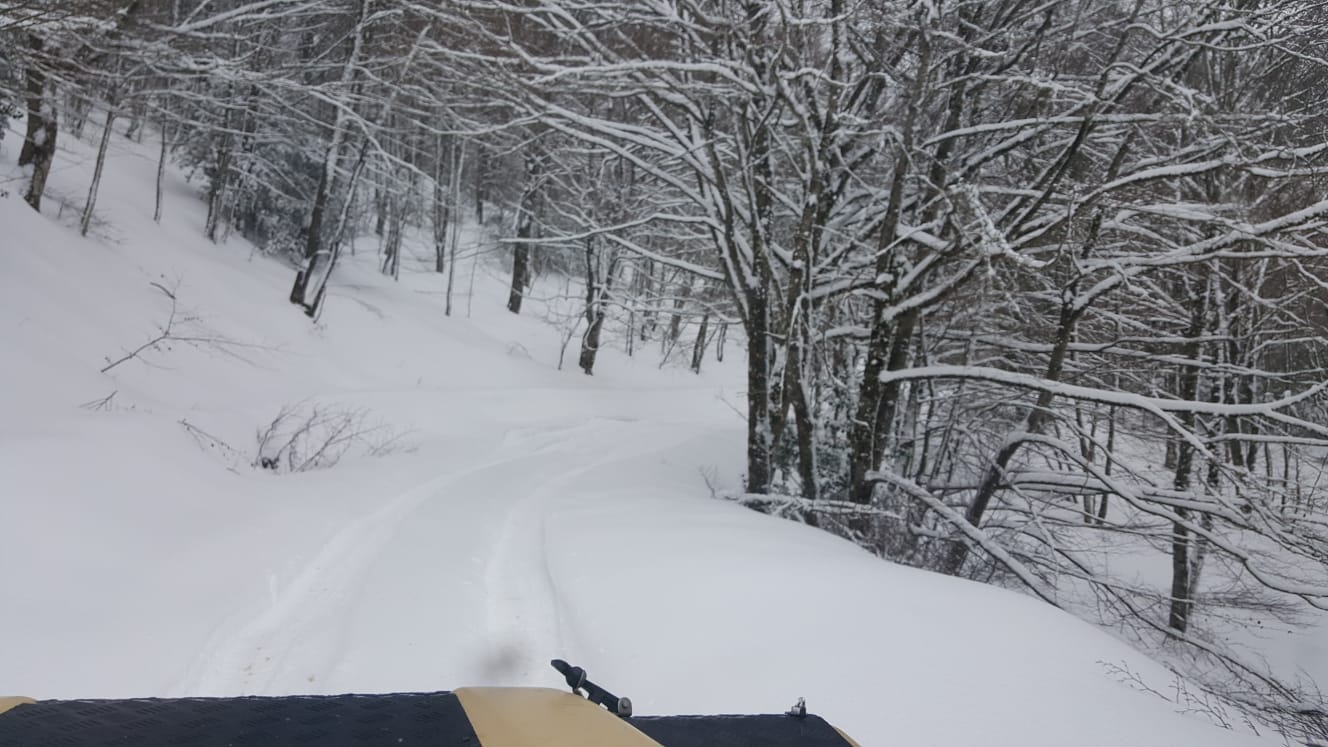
(539, 513)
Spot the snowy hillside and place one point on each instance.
(524, 513)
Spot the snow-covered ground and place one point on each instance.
(531, 513)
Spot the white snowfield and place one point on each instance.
(539, 514)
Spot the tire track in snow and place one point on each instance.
(249, 659)
(528, 621)
(523, 608)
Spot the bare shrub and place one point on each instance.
(308, 435)
(1232, 705)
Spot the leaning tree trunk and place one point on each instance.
(1036, 421)
(85, 222)
(161, 169)
(318, 257)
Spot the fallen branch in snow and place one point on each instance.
(842, 518)
(973, 534)
(206, 440)
(795, 506)
(103, 403)
(1187, 701)
(180, 327)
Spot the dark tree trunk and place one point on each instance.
(89, 207)
(314, 250)
(481, 177)
(888, 405)
(319, 258)
(39, 141)
(866, 428)
(1035, 423)
(805, 427)
(442, 199)
(675, 322)
(78, 108)
(698, 349)
(758, 394)
(597, 289)
(380, 207)
(1182, 602)
(392, 241)
(525, 229)
(648, 314)
(137, 112)
(590, 343)
(217, 188)
(1111, 461)
(161, 169)
(520, 269)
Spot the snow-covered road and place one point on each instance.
(453, 571)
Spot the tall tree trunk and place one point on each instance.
(1178, 617)
(867, 430)
(759, 427)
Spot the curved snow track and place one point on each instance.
(393, 571)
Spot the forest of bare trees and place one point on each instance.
(1021, 285)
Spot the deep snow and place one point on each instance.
(538, 513)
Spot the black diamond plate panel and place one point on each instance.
(739, 731)
(434, 719)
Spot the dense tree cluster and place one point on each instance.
(1021, 284)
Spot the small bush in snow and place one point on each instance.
(308, 436)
